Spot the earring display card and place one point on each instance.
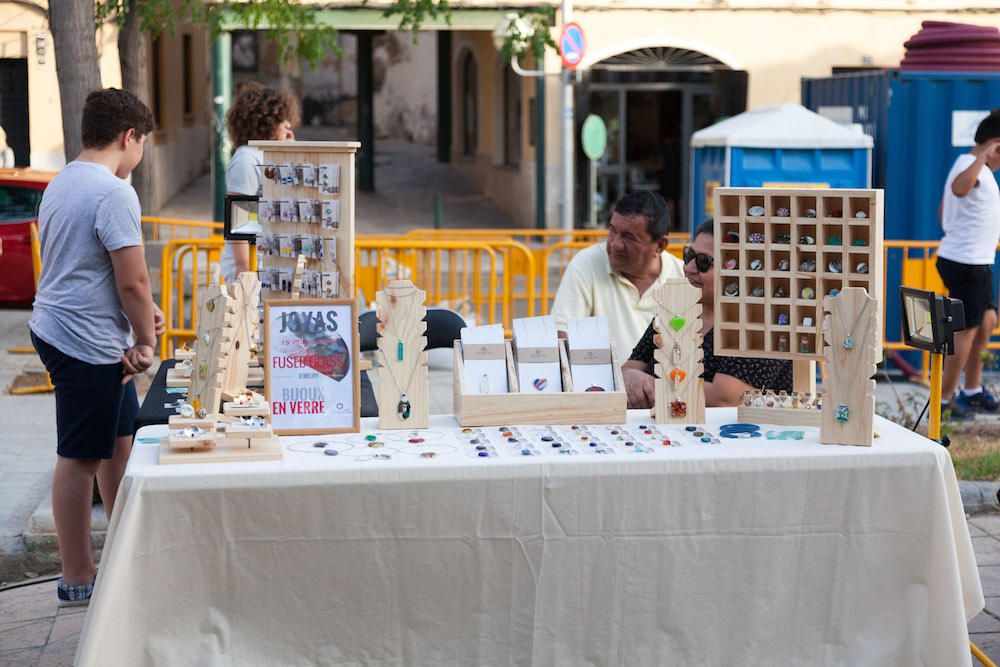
(330, 214)
(537, 346)
(329, 179)
(590, 354)
(485, 360)
(265, 211)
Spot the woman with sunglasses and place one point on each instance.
(726, 378)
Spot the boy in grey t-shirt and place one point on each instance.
(93, 298)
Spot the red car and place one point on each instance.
(20, 193)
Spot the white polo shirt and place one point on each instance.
(591, 287)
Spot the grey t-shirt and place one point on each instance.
(86, 212)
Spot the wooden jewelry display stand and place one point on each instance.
(778, 253)
(339, 256)
(245, 291)
(513, 407)
(852, 342)
(403, 391)
(197, 439)
(680, 390)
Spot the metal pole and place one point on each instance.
(222, 95)
(934, 427)
(593, 193)
(568, 147)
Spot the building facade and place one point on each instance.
(30, 110)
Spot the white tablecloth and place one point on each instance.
(741, 553)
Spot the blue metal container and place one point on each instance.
(920, 121)
(782, 146)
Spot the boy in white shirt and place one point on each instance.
(970, 219)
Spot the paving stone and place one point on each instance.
(987, 550)
(59, 654)
(25, 634)
(975, 531)
(988, 523)
(984, 623)
(20, 658)
(69, 627)
(990, 577)
(27, 608)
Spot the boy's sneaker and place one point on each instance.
(959, 409)
(984, 401)
(73, 596)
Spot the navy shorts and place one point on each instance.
(93, 407)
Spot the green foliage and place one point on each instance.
(291, 26)
(540, 22)
(984, 468)
(414, 13)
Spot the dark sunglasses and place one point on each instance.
(702, 260)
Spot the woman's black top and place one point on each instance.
(774, 374)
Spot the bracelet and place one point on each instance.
(739, 431)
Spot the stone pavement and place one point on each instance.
(34, 632)
(27, 454)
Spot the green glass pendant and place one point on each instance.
(399, 351)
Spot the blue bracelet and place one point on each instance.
(739, 431)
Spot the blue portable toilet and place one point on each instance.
(779, 146)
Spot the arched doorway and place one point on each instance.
(652, 99)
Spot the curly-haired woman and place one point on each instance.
(257, 113)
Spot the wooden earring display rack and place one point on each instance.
(245, 291)
(513, 407)
(403, 391)
(198, 439)
(339, 257)
(852, 342)
(680, 390)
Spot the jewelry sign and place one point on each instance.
(311, 375)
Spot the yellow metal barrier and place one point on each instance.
(461, 275)
(175, 225)
(182, 257)
(536, 243)
(493, 275)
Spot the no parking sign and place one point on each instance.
(571, 45)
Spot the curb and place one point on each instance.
(979, 497)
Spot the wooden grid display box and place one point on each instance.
(779, 275)
(338, 256)
(514, 407)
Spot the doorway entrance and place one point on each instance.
(651, 101)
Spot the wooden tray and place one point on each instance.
(513, 407)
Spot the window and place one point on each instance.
(470, 104)
(18, 204)
(512, 118)
(188, 76)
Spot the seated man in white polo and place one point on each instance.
(613, 279)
